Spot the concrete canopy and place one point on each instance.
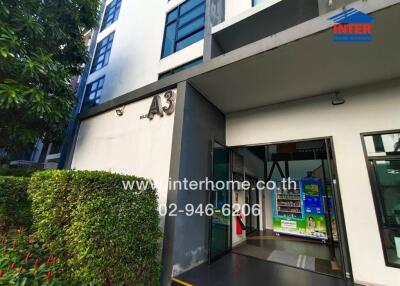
(308, 66)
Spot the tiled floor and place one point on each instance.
(239, 270)
(262, 244)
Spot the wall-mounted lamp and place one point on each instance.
(337, 99)
(120, 110)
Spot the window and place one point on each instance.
(256, 2)
(383, 156)
(111, 14)
(180, 68)
(102, 54)
(93, 93)
(184, 26)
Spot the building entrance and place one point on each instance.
(299, 224)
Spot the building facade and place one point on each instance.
(174, 86)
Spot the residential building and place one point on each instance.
(257, 91)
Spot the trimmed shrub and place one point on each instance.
(19, 171)
(103, 234)
(15, 207)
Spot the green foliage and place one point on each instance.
(23, 261)
(103, 234)
(41, 49)
(19, 172)
(15, 206)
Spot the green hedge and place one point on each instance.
(14, 203)
(19, 171)
(103, 235)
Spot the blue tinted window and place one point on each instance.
(172, 16)
(189, 5)
(190, 40)
(102, 53)
(111, 14)
(169, 39)
(93, 93)
(191, 27)
(184, 26)
(196, 12)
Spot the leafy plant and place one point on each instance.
(41, 50)
(15, 206)
(19, 171)
(23, 262)
(103, 234)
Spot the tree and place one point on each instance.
(41, 50)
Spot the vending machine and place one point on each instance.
(314, 211)
(300, 211)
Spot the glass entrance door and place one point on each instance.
(382, 151)
(220, 230)
(387, 193)
(302, 223)
(333, 214)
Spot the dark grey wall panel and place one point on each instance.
(215, 14)
(169, 223)
(272, 20)
(202, 124)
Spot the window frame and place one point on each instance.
(113, 4)
(176, 21)
(253, 3)
(182, 67)
(375, 188)
(86, 106)
(97, 53)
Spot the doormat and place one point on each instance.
(299, 261)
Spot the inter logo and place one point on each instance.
(352, 26)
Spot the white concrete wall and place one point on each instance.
(366, 109)
(254, 167)
(267, 210)
(238, 10)
(234, 8)
(135, 59)
(127, 144)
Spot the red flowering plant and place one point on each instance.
(23, 261)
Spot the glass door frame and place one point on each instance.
(338, 208)
(346, 267)
(374, 182)
(209, 200)
(256, 227)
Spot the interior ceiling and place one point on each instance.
(307, 67)
(288, 147)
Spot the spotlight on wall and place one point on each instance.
(120, 110)
(337, 99)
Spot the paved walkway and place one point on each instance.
(239, 270)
